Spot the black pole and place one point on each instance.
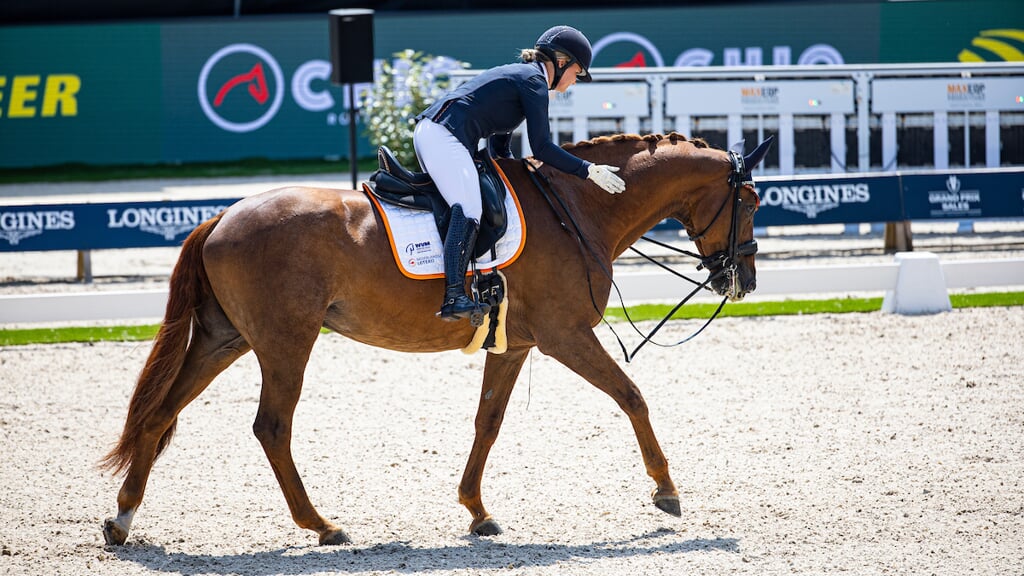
(352, 134)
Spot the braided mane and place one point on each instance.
(650, 138)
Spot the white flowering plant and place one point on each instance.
(403, 88)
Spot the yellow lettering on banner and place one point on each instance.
(61, 90)
(22, 93)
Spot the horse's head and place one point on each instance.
(721, 224)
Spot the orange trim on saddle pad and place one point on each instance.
(416, 276)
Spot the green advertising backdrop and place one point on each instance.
(228, 89)
(942, 31)
(256, 89)
(661, 35)
(79, 94)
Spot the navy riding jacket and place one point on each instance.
(493, 104)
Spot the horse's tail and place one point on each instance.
(189, 286)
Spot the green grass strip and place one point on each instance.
(986, 299)
(77, 334)
(19, 337)
(790, 307)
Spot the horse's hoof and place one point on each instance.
(668, 504)
(485, 527)
(113, 533)
(334, 538)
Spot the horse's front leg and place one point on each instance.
(586, 357)
(500, 372)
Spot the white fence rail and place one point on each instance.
(635, 287)
(796, 280)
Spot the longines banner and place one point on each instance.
(100, 226)
(828, 200)
(784, 202)
(225, 89)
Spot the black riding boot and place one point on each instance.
(458, 245)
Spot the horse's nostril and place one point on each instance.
(751, 285)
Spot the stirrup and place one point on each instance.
(476, 312)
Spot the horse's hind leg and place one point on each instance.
(586, 357)
(214, 346)
(283, 366)
(500, 371)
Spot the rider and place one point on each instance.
(491, 106)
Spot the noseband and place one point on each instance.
(723, 260)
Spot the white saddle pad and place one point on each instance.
(419, 250)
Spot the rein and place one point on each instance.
(724, 260)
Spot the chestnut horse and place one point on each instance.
(273, 269)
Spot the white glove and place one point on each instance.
(604, 176)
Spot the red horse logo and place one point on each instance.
(637, 61)
(257, 85)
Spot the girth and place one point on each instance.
(395, 184)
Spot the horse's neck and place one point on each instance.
(655, 190)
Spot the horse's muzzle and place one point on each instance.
(734, 283)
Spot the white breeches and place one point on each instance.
(450, 165)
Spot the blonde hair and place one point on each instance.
(534, 55)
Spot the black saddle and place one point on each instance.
(395, 184)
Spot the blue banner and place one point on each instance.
(828, 200)
(99, 226)
(841, 199)
(964, 195)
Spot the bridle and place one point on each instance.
(718, 263)
(739, 179)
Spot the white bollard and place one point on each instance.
(920, 286)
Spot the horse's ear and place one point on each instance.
(754, 158)
(739, 147)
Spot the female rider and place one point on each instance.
(491, 106)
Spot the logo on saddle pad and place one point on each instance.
(419, 250)
(420, 254)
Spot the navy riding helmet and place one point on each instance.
(569, 41)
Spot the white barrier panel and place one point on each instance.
(636, 288)
(82, 306)
(977, 273)
(785, 99)
(813, 97)
(946, 94)
(942, 97)
(629, 101)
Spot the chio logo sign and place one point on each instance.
(254, 80)
(643, 49)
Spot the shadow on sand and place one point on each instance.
(475, 554)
